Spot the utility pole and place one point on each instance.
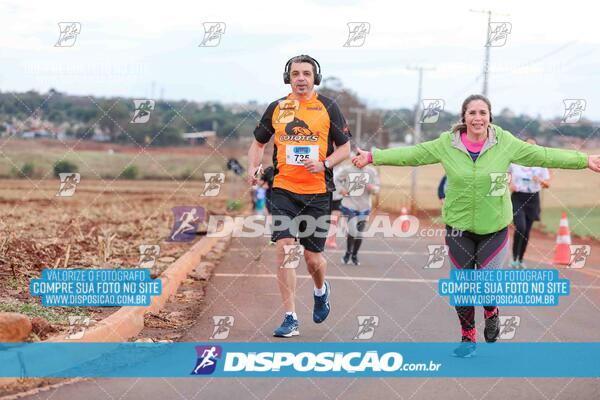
(417, 134)
(357, 134)
(359, 113)
(486, 60)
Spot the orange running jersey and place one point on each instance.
(302, 129)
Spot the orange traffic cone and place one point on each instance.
(562, 252)
(404, 220)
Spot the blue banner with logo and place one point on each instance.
(322, 359)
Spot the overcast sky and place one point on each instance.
(550, 54)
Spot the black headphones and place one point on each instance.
(286, 72)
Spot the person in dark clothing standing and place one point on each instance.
(527, 182)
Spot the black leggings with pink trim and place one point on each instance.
(469, 250)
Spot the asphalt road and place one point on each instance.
(391, 284)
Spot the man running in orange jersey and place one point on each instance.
(310, 137)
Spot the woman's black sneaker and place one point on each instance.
(346, 258)
(492, 328)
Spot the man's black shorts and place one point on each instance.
(336, 205)
(299, 208)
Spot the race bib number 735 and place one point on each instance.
(295, 155)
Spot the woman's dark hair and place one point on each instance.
(461, 125)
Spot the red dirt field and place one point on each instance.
(39, 230)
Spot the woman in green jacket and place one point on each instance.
(476, 155)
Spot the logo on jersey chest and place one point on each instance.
(287, 111)
(297, 131)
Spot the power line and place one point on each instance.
(542, 57)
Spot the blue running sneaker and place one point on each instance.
(466, 349)
(322, 307)
(288, 328)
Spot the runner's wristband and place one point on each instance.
(370, 158)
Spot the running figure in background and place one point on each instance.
(260, 195)
(336, 202)
(356, 186)
(442, 189)
(526, 184)
(268, 177)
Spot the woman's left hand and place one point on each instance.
(361, 159)
(594, 163)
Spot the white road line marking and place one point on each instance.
(334, 277)
(402, 253)
(421, 253)
(363, 278)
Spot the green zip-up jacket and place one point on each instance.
(478, 195)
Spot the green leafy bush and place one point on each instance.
(64, 166)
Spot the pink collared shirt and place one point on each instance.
(473, 147)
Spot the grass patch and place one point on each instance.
(34, 310)
(582, 221)
(51, 314)
(15, 283)
(98, 164)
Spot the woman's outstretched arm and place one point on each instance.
(420, 154)
(532, 155)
